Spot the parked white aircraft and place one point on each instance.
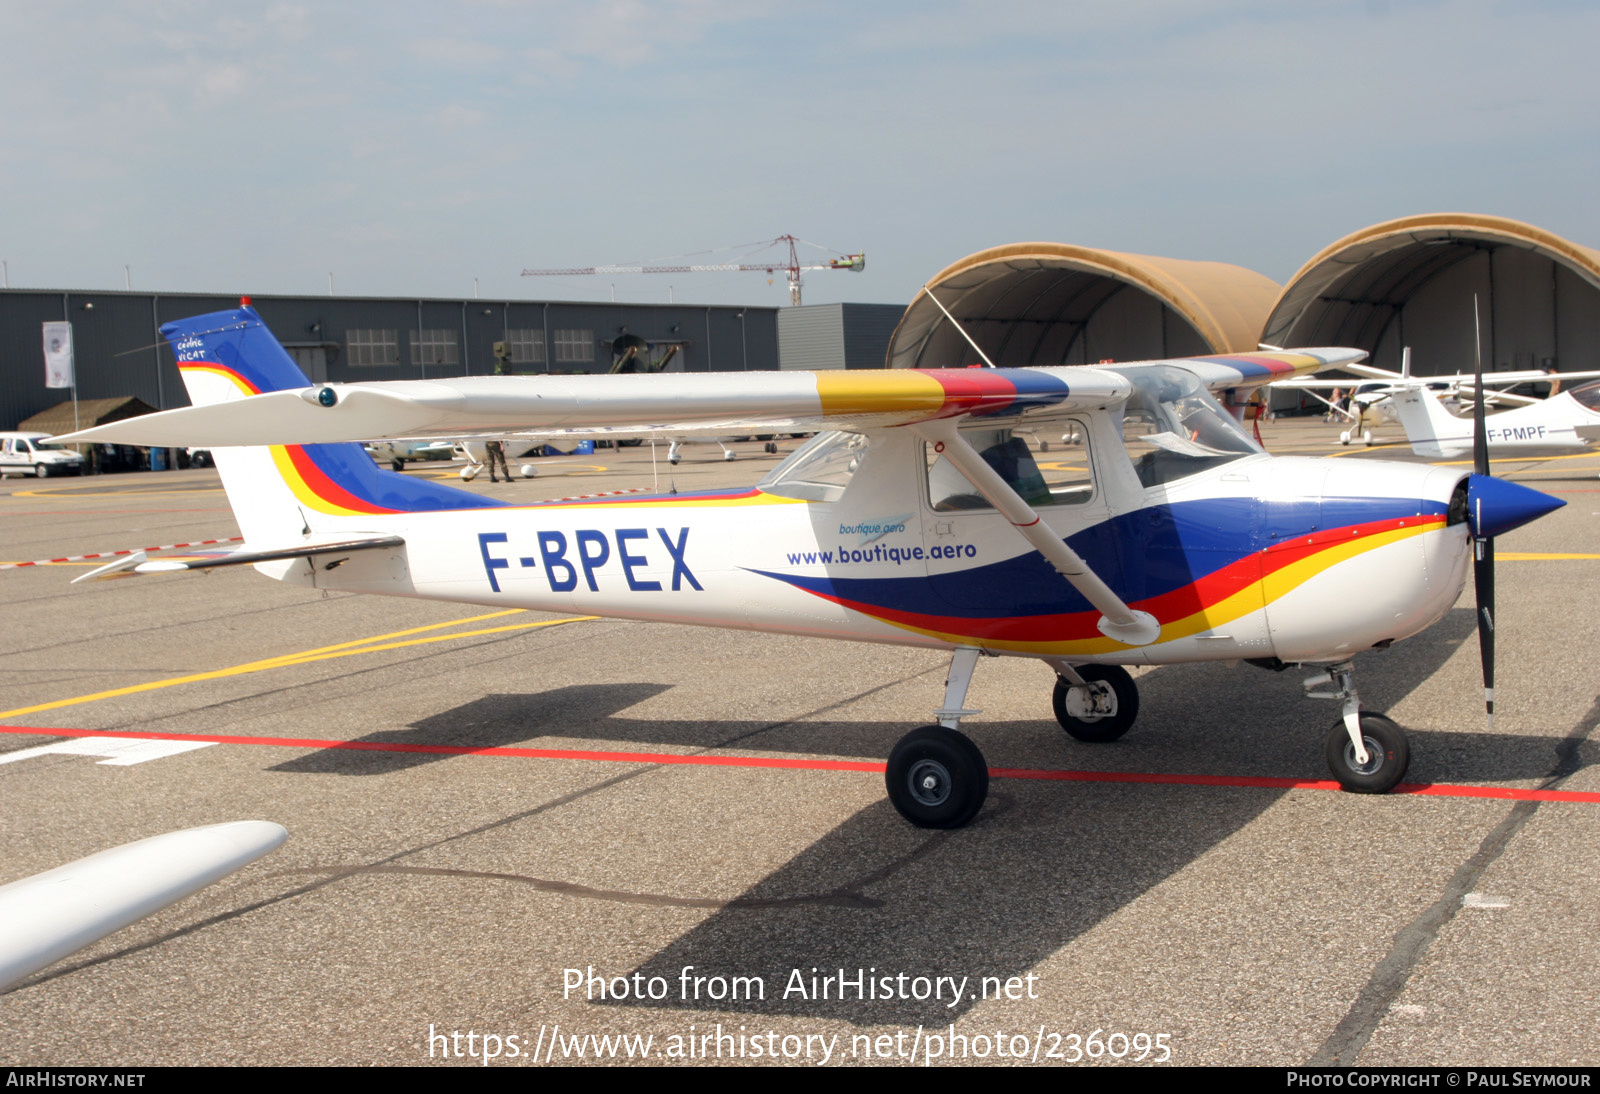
(1564, 422)
(919, 517)
(1371, 401)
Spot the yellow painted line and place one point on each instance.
(55, 494)
(1524, 459)
(321, 653)
(1534, 556)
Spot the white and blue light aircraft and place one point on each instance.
(918, 516)
(1568, 421)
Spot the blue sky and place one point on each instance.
(410, 148)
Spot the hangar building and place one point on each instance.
(1059, 304)
(1411, 282)
(120, 352)
(1407, 282)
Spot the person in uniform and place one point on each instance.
(497, 454)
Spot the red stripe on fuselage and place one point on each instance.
(1202, 593)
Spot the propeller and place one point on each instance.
(1482, 544)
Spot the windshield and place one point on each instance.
(1587, 395)
(820, 469)
(1172, 428)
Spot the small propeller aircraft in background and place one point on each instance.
(918, 516)
(1565, 422)
(1377, 400)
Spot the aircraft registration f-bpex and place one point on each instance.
(919, 517)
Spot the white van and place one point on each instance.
(36, 454)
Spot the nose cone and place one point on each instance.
(1495, 506)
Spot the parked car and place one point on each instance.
(36, 454)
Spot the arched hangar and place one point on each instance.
(1059, 304)
(1411, 282)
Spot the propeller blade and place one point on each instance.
(1483, 587)
(1483, 553)
(1480, 435)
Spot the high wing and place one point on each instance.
(664, 405)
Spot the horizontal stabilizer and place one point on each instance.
(245, 556)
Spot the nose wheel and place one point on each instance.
(1367, 753)
(1388, 754)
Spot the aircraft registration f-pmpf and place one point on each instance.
(919, 516)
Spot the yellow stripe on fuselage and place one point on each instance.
(1252, 597)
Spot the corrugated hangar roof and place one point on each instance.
(1347, 292)
(1033, 303)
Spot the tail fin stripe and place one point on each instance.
(224, 371)
(316, 488)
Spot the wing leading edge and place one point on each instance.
(663, 404)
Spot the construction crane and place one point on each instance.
(791, 268)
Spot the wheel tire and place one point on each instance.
(41, 471)
(1119, 692)
(1388, 752)
(937, 778)
(397, 465)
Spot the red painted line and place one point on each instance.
(1437, 790)
(464, 750)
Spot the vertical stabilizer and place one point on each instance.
(1431, 429)
(281, 491)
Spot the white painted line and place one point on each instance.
(119, 752)
(1484, 900)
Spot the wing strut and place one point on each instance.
(1117, 620)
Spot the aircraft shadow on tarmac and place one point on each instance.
(1196, 719)
(1043, 863)
(491, 721)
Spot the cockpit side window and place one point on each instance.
(1019, 456)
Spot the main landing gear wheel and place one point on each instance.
(1102, 711)
(1388, 753)
(937, 778)
(397, 465)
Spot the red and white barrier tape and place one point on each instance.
(118, 554)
